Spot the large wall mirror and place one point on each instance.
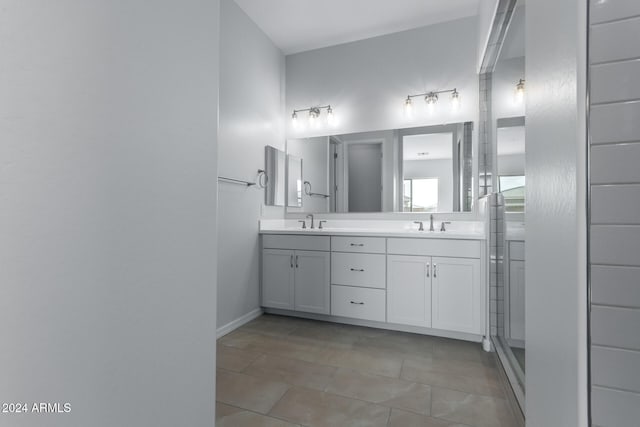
(422, 170)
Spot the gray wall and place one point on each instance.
(615, 212)
(108, 123)
(555, 247)
(251, 116)
(366, 82)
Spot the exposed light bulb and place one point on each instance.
(312, 117)
(431, 99)
(330, 117)
(455, 100)
(294, 119)
(520, 91)
(408, 107)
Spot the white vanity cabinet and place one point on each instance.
(409, 290)
(295, 273)
(430, 285)
(278, 278)
(426, 285)
(456, 294)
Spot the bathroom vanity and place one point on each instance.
(383, 271)
(378, 275)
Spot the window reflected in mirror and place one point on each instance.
(421, 195)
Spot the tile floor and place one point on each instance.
(280, 371)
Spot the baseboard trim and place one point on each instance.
(235, 324)
(379, 325)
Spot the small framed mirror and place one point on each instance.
(275, 173)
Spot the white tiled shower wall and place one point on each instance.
(614, 56)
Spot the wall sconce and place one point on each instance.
(314, 114)
(431, 98)
(520, 91)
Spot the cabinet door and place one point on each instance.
(312, 287)
(409, 290)
(277, 278)
(456, 294)
(516, 300)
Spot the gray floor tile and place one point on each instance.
(472, 409)
(317, 409)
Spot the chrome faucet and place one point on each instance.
(311, 216)
(431, 223)
(442, 226)
(421, 225)
(320, 224)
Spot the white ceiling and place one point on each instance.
(437, 146)
(299, 25)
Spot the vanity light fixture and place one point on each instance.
(408, 107)
(330, 118)
(431, 98)
(314, 113)
(455, 100)
(520, 91)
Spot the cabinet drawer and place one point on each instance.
(373, 245)
(299, 243)
(435, 247)
(358, 303)
(358, 269)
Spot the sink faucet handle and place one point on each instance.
(421, 225)
(320, 223)
(442, 226)
(304, 223)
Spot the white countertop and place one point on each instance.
(461, 230)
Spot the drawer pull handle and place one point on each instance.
(435, 270)
(357, 303)
(428, 268)
(291, 262)
(357, 269)
(357, 244)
